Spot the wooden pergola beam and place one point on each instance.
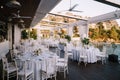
(114, 3)
(68, 16)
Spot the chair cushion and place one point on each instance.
(61, 64)
(81, 56)
(11, 68)
(22, 72)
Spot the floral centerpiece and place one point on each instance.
(85, 42)
(68, 38)
(37, 52)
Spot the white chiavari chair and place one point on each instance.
(48, 69)
(26, 70)
(82, 56)
(62, 65)
(68, 51)
(9, 68)
(102, 55)
(57, 51)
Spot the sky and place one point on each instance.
(89, 8)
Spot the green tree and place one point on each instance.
(91, 32)
(68, 38)
(101, 29)
(101, 33)
(108, 33)
(94, 33)
(118, 31)
(113, 33)
(104, 35)
(62, 33)
(75, 32)
(33, 34)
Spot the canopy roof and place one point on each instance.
(31, 11)
(106, 12)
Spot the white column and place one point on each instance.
(17, 34)
(51, 33)
(83, 30)
(67, 30)
(10, 35)
(70, 31)
(87, 27)
(38, 33)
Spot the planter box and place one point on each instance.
(113, 58)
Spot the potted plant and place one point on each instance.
(68, 38)
(85, 41)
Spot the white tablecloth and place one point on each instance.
(37, 60)
(90, 53)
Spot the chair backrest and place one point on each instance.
(61, 46)
(5, 63)
(58, 51)
(66, 57)
(25, 66)
(12, 54)
(49, 65)
(104, 49)
(83, 52)
(19, 64)
(65, 49)
(68, 47)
